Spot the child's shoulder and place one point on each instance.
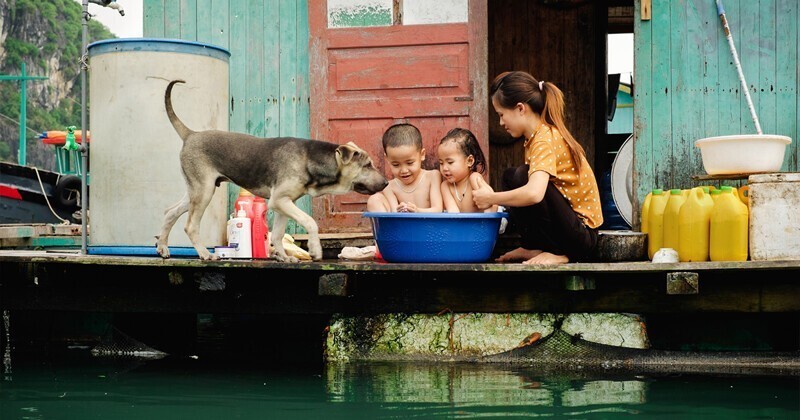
(433, 175)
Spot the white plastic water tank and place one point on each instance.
(135, 168)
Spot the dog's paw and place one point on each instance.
(285, 258)
(207, 256)
(163, 250)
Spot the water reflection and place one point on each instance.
(470, 384)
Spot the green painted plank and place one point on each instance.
(661, 90)
(730, 97)
(680, 78)
(238, 65)
(288, 67)
(153, 19)
(204, 22)
(188, 22)
(786, 80)
(747, 45)
(220, 23)
(767, 66)
(711, 85)
(303, 81)
(272, 83)
(694, 39)
(172, 19)
(644, 161)
(254, 68)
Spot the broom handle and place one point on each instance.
(745, 89)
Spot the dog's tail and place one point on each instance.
(180, 127)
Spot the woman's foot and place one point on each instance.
(519, 254)
(546, 258)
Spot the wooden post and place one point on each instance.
(645, 9)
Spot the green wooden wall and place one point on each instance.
(268, 42)
(686, 86)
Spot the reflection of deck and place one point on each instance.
(69, 281)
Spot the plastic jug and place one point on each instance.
(694, 224)
(260, 228)
(245, 201)
(240, 235)
(729, 229)
(671, 213)
(645, 209)
(744, 195)
(715, 195)
(655, 222)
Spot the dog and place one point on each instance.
(280, 169)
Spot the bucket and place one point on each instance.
(774, 218)
(136, 172)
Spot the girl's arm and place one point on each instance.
(526, 195)
(435, 178)
(475, 181)
(447, 197)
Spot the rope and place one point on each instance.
(63, 222)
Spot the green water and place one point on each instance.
(93, 388)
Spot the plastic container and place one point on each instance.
(435, 237)
(646, 208)
(774, 217)
(729, 229)
(245, 201)
(714, 194)
(694, 224)
(240, 234)
(743, 153)
(671, 222)
(655, 222)
(260, 228)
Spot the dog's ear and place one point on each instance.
(347, 152)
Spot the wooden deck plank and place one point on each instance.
(31, 256)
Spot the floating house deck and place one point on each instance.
(67, 280)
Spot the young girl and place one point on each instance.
(553, 198)
(461, 163)
(413, 189)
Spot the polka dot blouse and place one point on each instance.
(547, 151)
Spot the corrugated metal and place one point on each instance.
(686, 87)
(268, 41)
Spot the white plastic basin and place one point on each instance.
(743, 153)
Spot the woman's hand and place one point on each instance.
(482, 194)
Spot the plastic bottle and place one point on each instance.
(260, 228)
(655, 222)
(729, 229)
(694, 224)
(671, 226)
(744, 195)
(239, 234)
(715, 195)
(245, 201)
(645, 209)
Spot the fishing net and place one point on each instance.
(119, 344)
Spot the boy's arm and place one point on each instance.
(435, 178)
(390, 197)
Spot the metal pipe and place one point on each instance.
(84, 127)
(745, 89)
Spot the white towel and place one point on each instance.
(358, 254)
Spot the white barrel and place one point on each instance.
(134, 151)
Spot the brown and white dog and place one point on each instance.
(280, 169)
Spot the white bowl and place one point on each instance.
(743, 153)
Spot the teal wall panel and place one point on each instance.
(269, 76)
(686, 86)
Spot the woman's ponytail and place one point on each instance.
(553, 115)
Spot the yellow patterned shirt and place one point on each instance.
(547, 151)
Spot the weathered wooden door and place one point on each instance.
(366, 78)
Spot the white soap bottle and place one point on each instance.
(239, 234)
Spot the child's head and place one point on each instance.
(402, 147)
(459, 155)
(513, 91)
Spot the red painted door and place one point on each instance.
(364, 79)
